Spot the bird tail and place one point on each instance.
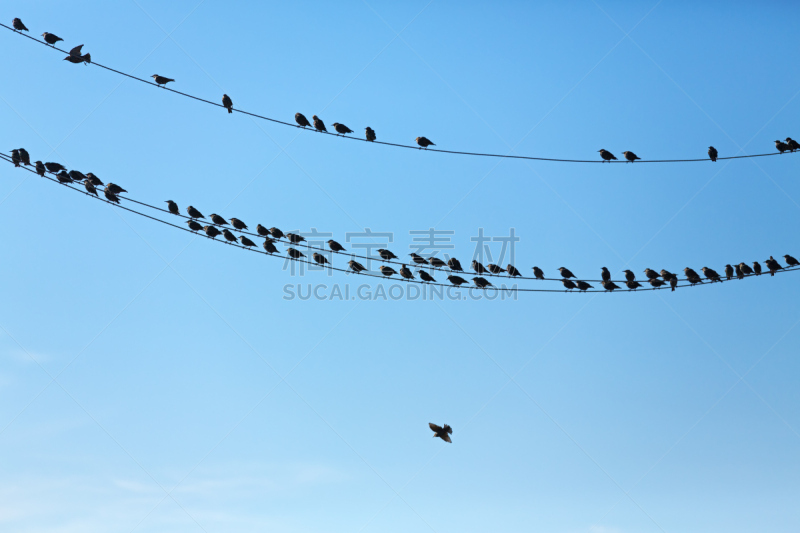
(230, 110)
(87, 58)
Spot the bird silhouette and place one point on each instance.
(301, 120)
(54, 167)
(24, 157)
(436, 262)
(63, 177)
(667, 275)
(110, 196)
(269, 246)
(77, 175)
(94, 179)
(710, 273)
(495, 269)
(633, 285)
(418, 259)
(294, 238)
(216, 219)
(211, 231)
(609, 285)
(355, 266)
(193, 225)
(370, 134)
(791, 144)
(456, 280)
(161, 80)
(89, 186)
(275, 232)
(116, 189)
(712, 153)
(781, 146)
(757, 268)
(424, 142)
(51, 38)
(630, 156)
(651, 274)
(194, 213)
(605, 275)
(335, 246)
(773, 266)
(318, 124)
(424, 276)
(341, 128)
(512, 270)
(294, 254)
(261, 230)
(238, 224)
(565, 273)
(739, 272)
(728, 271)
(441, 432)
(673, 282)
(692, 276)
(477, 267)
(406, 272)
(387, 271)
(386, 255)
(481, 283)
(745, 269)
(230, 237)
(629, 275)
(173, 207)
(655, 282)
(245, 241)
(791, 261)
(454, 264)
(568, 284)
(40, 169)
(583, 286)
(76, 57)
(319, 258)
(227, 103)
(538, 273)
(606, 155)
(15, 157)
(18, 25)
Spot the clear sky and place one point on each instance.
(151, 381)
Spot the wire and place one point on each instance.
(396, 145)
(347, 271)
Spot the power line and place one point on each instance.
(396, 145)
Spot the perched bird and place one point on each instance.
(275, 232)
(791, 144)
(116, 189)
(712, 153)
(781, 146)
(651, 274)
(667, 275)
(355, 266)
(238, 224)
(78, 176)
(538, 273)
(609, 285)
(456, 280)
(193, 225)
(387, 271)
(441, 432)
(406, 273)
(692, 276)
(261, 230)
(482, 283)
(773, 266)
(247, 242)
(295, 238)
(318, 124)
(335, 246)
(424, 142)
(791, 261)
(739, 272)
(512, 270)
(386, 255)
(51, 38)
(301, 120)
(418, 259)
(40, 168)
(655, 282)
(228, 235)
(673, 282)
(89, 186)
(227, 103)
(63, 177)
(161, 80)
(294, 254)
(341, 128)
(54, 167)
(605, 275)
(424, 276)
(94, 179)
(495, 269)
(269, 246)
(15, 157)
(565, 273)
(76, 57)
(370, 134)
(24, 157)
(18, 25)
(745, 269)
(436, 262)
(194, 213)
(110, 196)
(757, 268)
(211, 231)
(319, 258)
(710, 273)
(629, 275)
(633, 285)
(477, 267)
(606, 155)
(454, 264)
(583, 286)
(728, 271)
(568, 284)
(216, 219)
(630, 156)
(173, 207)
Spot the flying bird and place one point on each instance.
(441, 432)
(341, 128)
(269, 246)
(18, 25)
(370, 134)
(301, 120)
(161, 80)
(630, 156)
(76, 57)
(173, 207)
(246, 242)
(318, 124)
(712, 153)
(495, 269)
(227, 103)
(565, 273)
(238, 224)
(482, 283)
(512, 270)
(51, 38)
(477, 267)
(606, 155)
(454, 264)
(194, 213)
(335, 246)
(424, 276)
(424, 142)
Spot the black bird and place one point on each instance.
(161, 80)
(692, 276)
(565, 273)
(773, 266)
(318, 124)
(341, 128)
(110, 196)
(739, 272)
(456, 280)
(606, 155)
(667, 275)
(78, 176)
(605, 275)
(568, 284)
(710, 273)
(227, 103)
(633, 285)
(441, 432)
(295, 238)
(319, 258)
(386, 255)
(630, 156)
(781, 146)
(655, 282)
(538, 273)
(228, 235)
(194, 213)
(746, 269)
(116, 189)
(173, 207)
(94, 179)
(245, 241)
(482, 283)
(454, 264)
(269, 246)
(424, 276)
(582, 285)
(355, 266)
(15, 157)
(728, 271)
(194, 226)
(406, 273)
(211, 231)
(54, 167)
(629, 275)
(63, 177)
(712, 153)
(651, 274)
(673, 282)
(436, 262)
(216, 219)
(424, 142)
(792, 144)
(261, 230)
(477, 267)
(90, 187)
(238, 224)
(24, 157)
(301, 120)
(418, 259)
(495, 269)
(791, 261)
(512, 270)
(18, 25)
(76, 57)
(757, 268)
(294, 254)
(370, 134)
(335, 246)
(278, 234)
(387, 271)
(40, 168)
(609, 285)
(51, 38)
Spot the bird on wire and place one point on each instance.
(609, 285)
(194, 225)
(269, 246)
(318, 124)
(630, 156)
(436, 262)
(110, 196)
(728, 271)
(341, 128)
(538, 273)
(116, 189)
(757, 268)
(227, 103)
(791, 261)
(161, 81)
(781, 146)
(673, 282)
(712, 153)
(406, 272)
(18, 25)
(739, 272)
(15, 157)
(606, 155)
(583, 286)
(295, 238)
(477, 267)
(370, 134)
(418, 259)
(512, 270)
(194, 213)
(456, 280)
(454, 265)
(387, 271)
(424, 276)
(667, 275)
(655, 282)
(773, 266)
(568, 284)
(745, 269)
(89, 186)
(441, 432)
(40, 169)
(386, 255)
(495, 269)
(24, 157)
(605, 275)
(261, 230)
(230, 237)
(51, 38)
(246, 242)
(216, 219)
(355, 266)
(791, 144)
(710, 273)
(76, 57)
(63, 177)
(238, 224)
(565, 273)
(633, 285)
(54, 167)
(692, 276)
(651, 274)
(275, 232)
(319, 258)
(94, 179)
(482, 283)
(294, 254)
(77, 175)
(424, 142)
(301, 120)
(629, 275)
(335, 246)
(173, 207)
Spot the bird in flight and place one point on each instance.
(441, 432)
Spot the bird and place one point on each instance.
(227, 103)
(386, 255)
(269, 246)
(673, 282)
(456, 280)
(355, 266)
(301, 120)
(89, 186)
(692, 276)
(605, 275)
(495, 269)
(76, 57)
(667, 275)
(387, 271)
(193, 225)
(441, 432)
(40, 168)
(424, 142)
(712, 153)
(238, 224)
(424, 276)
(161, 80)
(246, 242)
(216, 219)
(406, 273)
(454, 264)
(24, 157)
(51, 38)
(583, 286)
(512, 270)
(728, 271)
(633, 285)
(341, 128)
(335, 246)
(565, 273)
(370, 134)
(757, 268)
(791, 144)
(211, 231)
(319, 258)
(538, 273)
(18, 25)
(173, 207)
(261, 230)
(477, 267)
(609, 285)
(318, 124)
(194, 213)
(655, 282)
(76, 175)
(773, 266)
(228, 235)
(739, 272)
(791, 261)
(745, 269)
(63, 177)
(116, 189)
(275, 232)
(482, 283)
(606, 155)
(110, 196)
(294, 254)
(629, 275)
(54, 167)
(15, 157)
(436, 262)
(94, 179)
(710, 273)
(781, 146)
(295, 238)
(630, 156)
(568, 284)
(651, 274)
(418, 259)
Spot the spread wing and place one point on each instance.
(448, 429)
(76, 51)
(434, 427)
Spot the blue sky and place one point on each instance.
(189, 395)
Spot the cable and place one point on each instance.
(347, 271)
(396, 145)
